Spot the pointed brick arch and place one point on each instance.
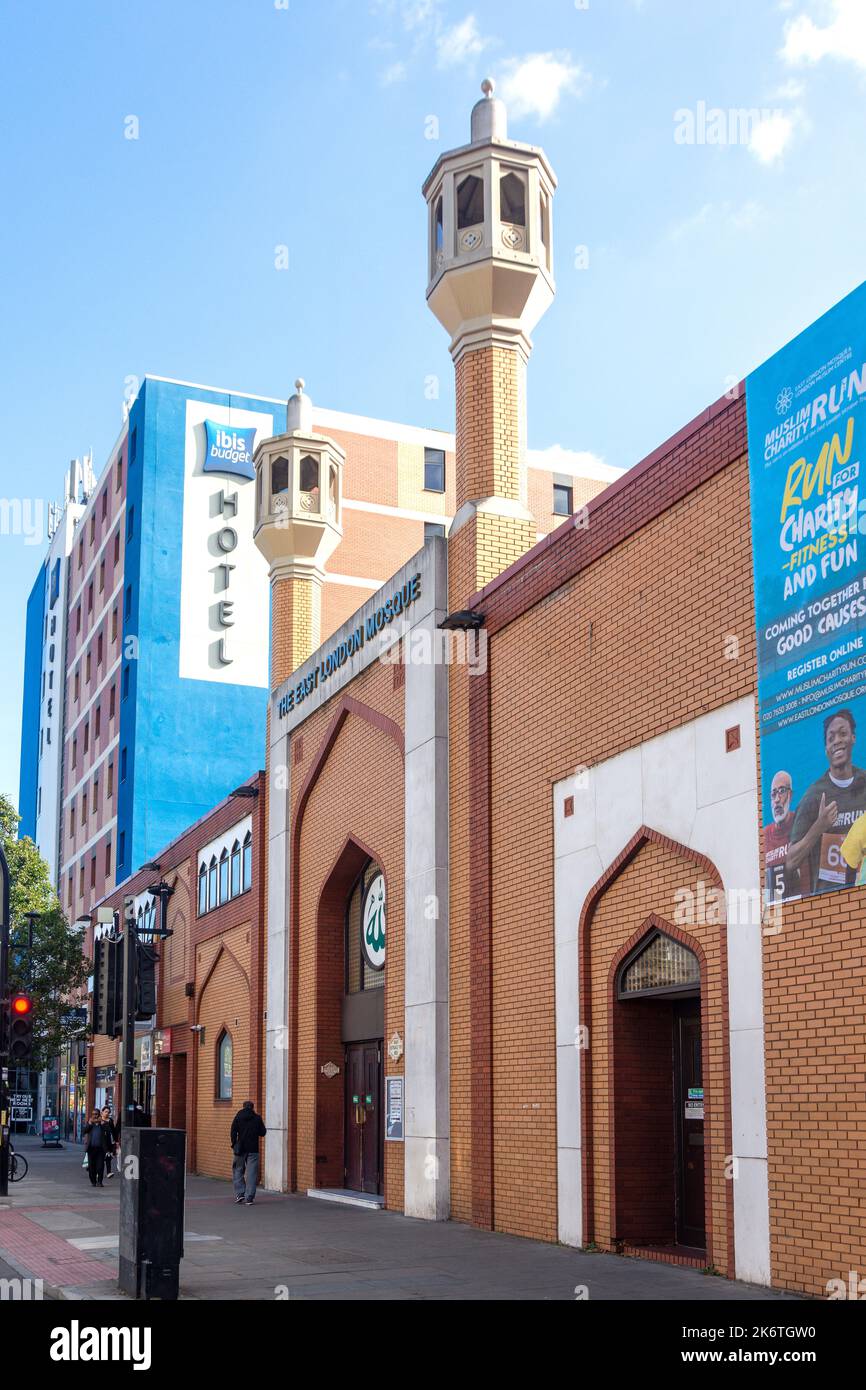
(714, 1003)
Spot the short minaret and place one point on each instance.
(490, 279)
(299, 524)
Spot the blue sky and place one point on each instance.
(689, 245)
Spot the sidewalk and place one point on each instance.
(57, 1228)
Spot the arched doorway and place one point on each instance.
(658, 1095)
(351, 973)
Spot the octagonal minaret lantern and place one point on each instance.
(299, 524)
(490, 220)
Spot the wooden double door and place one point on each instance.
(364, 1117)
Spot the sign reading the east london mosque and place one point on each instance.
(340, 653)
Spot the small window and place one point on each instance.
(212, 895)
(562, 500)
(87, 668)
(224, 876)
(114, 623)
(309, 483)
(75, 752)
(130, 523)
(99, 650)
(90, 598)
(545, 227)
(87, 736)
(433, 528)
(80, 554)
(224, 1067)
(279, 475)
(439, 227)
(72, 821)
(434, 470)
(76, 684)
(236, 869)
(117, 546)
(81, 879)
(93, 871)
(119, 483)
(248, 862)
(112, 700)
(108, 857)
(83, 809)
(104, 504)
(97, 723)
(78, 619)
(109, 790)
(92, 527)
(202, 890)
(101, 575)
(470, 202)
(512, 200)
(123, 764)
(95, 801)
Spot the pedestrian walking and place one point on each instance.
(98, 1138)
(247, 1129)
(110, 1153)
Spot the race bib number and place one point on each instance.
(832, 868)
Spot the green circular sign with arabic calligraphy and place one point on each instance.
(373, 923)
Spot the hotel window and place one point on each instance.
(108, 857)
(433, 528)
(78, 619)
(81, 880)
(130, 523)
(562, 500)
(202, 890)
(87, 736)
(248, 862)
(438, 233)
(93, 871)
(224, 1066)
(99, 650)
(80, 554)
(236, 869)
(117, 546)
(102, 574)
(434, 470)
(119, 484)
(69, 889)
(224, 876)
(83, 810)
(95, 801)
(109, 791)
(72, 821)
(97, 723)
(470, 202)
(90, 598)
(92, 527)
(48, 731)
(112, 700)
(87, 668)
(123, 764)
(212, 883)
(75, 752)
(104, 503)
(114, 623)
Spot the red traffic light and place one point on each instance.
(22, 1005)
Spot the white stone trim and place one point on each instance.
(686, 786)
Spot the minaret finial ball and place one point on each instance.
(299, 412)
(489, 116)
(488, 87)
(299, 383)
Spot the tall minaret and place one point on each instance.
(490, 280)
(299, 524)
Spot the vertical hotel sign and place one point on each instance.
(806, 411)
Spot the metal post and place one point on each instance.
(128, 1046)
(4, 1030)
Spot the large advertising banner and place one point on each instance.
(806, 412)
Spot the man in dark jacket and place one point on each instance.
(98, 1139)
(247, 1130)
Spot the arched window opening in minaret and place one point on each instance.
(279, 475)
(470, 202)
(309, 488)
(512, 200)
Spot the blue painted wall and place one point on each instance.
(32, 705)
(188, 742)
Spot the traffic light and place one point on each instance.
(145, 981)
(107, 987)
(20, 1029)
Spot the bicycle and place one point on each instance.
(18, 1167)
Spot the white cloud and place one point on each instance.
(534, 85)
(771, 136)
(461, 43)
(579, 463)
(397, 72)
(843, 37)
(791, 90)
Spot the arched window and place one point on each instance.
(470, 202)
(309, 483)
(224, 1066)
(279, 475)
(212, 895)
(365, 932)
(512, 200)
(236, 869)
(332, 489)
(438, 227)
(248, 861)
(659, 965)
(202, 890)
(224, 876)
